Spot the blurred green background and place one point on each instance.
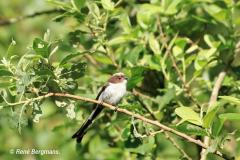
(36, 135)
(193, 29)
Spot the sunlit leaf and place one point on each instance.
(231, 99)
(107, 4)
(187, 114)
(41, 47)
(191, 129)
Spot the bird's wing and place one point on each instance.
(101, 91)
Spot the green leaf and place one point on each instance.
(192, 48)
(136, 77)
(121, 39)
(5, 82)
(41, 47)
(146, 14)
(166, 98)
(144, 148)
(171, 8)
(70, 56)
(152, 62)
(78, 4)
(93, 8)
(230, 116)
(5, 73)
(107, 4)
(126, 133)
(230, 99)
(133, 54)
(76, 71)
(224, 117)
(187, 114)
(218, 13)
(102, 58)
(125, 23)
(204, 56)
(209, 117)
(154, 45)
(191, 129)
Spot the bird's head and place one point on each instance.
(118, 78)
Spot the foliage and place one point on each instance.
(171, 50)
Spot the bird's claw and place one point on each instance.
(116, 108)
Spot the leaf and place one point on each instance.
(146, 14)
(218, 13)
(70, 111)
(93, 8)
(203, 57)
(37, 111)
(154, 45)
(69, 57)
(209, 117)
(102, 58)
(166, 98)
(191, 129)
(5, 73)
(136, 77)
(224, 117)
(121, 39)
(5, 82)
(107, 4)
(78, 4)
(126, 133)
(41, 47)
(192, 48)
(144, 148)
(133, 54)
(152, 62)
(187, 114)
(11, 48)
(230, 99)
(172, 7)
(76, 71)
(208, 40)
(125, 23)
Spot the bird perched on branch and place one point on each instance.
(111, 93)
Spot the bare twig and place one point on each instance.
(212, 100)
(5, 22)
(137, 93)
(168, 137)
(177, 146)
(125, 111)
(174, 63)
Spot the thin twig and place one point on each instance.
(174, 63)
(5, 22)
(125, 111)
(213, 100)
(168, 137)
(177, 146)
(137, 93)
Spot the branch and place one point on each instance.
(166, 134)
(5, 22)
(127, 112)
(212, 100)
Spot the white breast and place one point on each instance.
(113, 93)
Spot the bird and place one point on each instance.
(111, 93)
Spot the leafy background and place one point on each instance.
(172, 51)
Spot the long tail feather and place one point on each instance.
(81, 132)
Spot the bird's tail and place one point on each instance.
(81, 132)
